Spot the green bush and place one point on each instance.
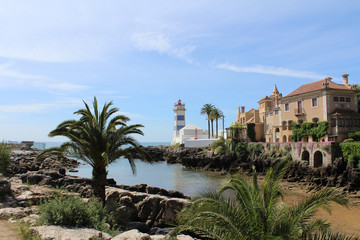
(255, 149)
(250, 131)
(72, 211)
(351, 151)
(348, 140)
(5, 154)
(355, 136)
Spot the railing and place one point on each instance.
(299, 111)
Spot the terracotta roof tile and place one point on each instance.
(316, 86)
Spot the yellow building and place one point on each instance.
(321, 100)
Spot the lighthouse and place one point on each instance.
(179, 119)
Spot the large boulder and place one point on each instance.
(66, 233)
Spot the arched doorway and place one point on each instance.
(284, 138)
(318, 159)
(305, 156)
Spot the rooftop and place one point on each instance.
(313, 86)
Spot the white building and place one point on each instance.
(189, 135)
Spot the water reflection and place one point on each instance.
(161, 174)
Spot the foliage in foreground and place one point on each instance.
(242, 209)
(5, 154)
(26, 233)
(99, 139)
(71, 211)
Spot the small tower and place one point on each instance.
(179, 119)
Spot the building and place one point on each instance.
(190, 135)
(322, 100)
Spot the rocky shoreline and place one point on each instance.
(340, 174)
(29, 183)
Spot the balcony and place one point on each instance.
(299, 111)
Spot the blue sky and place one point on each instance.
(144, 55)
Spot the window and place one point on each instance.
(341, 123)
(287, 107)
(289, 124)
(333, 122)
(180, 117)
(276, 112)
(347, 99)
(336, 99)
(342, 99)
(314, 102)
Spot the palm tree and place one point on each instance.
(254, 211)
(206, 110)
(99, 141)
(217, 114)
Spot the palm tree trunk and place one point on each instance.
(208, 127)
(216, 133)
(212, 128)
(99, 181)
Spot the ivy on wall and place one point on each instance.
(236, 131)
(308, 129)
(250, 132)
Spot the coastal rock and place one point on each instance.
(132, 235)
(154, 210)
(5, 187)
(66, 233)
(18, 212)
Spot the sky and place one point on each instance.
(145, 55)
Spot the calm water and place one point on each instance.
(161, 174)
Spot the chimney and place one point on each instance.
(242, 109)
(346, 80)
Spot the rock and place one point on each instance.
(149, 208)
(132, 235)
(34, 178)
(64, 233)
(32, 219)
(14, 212)
(5, 187)
(169, 209)
(141, 226)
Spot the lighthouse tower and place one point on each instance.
(179, 120)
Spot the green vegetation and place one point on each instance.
(5, 154)
(355, 136)
(357, 87)
(308, 129)
(250, 131)
(71, 211)
(99, 141)
(26, 233)
(351, 152)
(236, 130)
(221, 146)
(206, 110)
(255, 211)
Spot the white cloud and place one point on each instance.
(39, 107)
(5, 71)
(271, 71)
(161, 43)
(61, 86)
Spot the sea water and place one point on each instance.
(159, 174)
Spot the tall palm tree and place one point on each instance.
(217, 114)
(99, 141)
(255, 211)
(206, 110)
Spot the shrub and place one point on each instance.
(255, 149)
(348, 140)
(355, 136)
(5, 154)
(72, 211)
(351, 151)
